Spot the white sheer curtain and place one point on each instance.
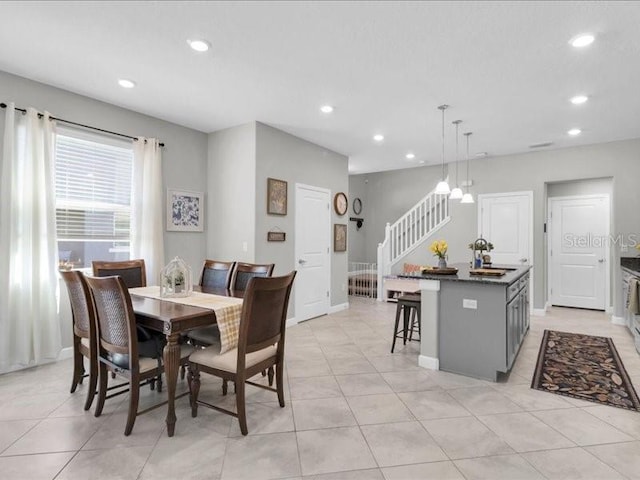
(29, 324)
(147, 240)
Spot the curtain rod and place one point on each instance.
(135, 139)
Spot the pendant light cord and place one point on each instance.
(468, 134)
(443, 143)
(443, 108)
(457, 124)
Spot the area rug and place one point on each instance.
(584, 367)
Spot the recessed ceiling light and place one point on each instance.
(579, 99)
(410, 156)
(574, 131)
(378, 137)
(124, 83)
(326, 109)
(199, 45)
(582, 40)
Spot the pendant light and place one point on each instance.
(467, 197)
(456, 193)
(443, 187)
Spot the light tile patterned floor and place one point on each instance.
(354, 412)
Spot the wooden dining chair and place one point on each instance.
(243, 272)
(260, 346)
(215, 274)
(118, 345)
(132, 272)
(84, 332)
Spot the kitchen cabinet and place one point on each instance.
(517, 319)
(482, 324)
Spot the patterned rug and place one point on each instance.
(584, 367)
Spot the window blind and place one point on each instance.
(93, 189)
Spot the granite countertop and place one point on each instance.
(463, 275)
(631, 265)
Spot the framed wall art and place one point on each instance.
(339, 237)
(185, 211)
(276, 236)
(276, 197)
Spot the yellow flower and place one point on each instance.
(439, 248)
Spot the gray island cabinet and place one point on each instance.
(474, 325)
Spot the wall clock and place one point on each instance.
(340, 203)
(357, 206)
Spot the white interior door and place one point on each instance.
(312, 249)
(505, 220)
(578, 239)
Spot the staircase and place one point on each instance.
(421, 221)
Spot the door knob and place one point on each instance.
(523, 260)
(601, 260)
(302, 262)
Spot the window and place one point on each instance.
(93, 197)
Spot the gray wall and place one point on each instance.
(590, 186)
(184, 156)
(390, 194)
(357, 238)
(231, 194)
(283, 156)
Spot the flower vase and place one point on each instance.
(442, 263)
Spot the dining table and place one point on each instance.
(173, 320)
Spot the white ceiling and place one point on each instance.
(506, 68)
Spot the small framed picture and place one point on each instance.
(276, 197)
(185, 211)
(276, 236)
(339, 237)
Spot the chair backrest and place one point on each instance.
(132, 271)
(82, 309)
(216, 274)
(264, 314)
(243, 272)
(116, 319)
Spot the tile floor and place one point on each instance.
(353, 412)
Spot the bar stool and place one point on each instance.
(409, 307)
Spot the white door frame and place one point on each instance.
(607, 250)
(295, 243)
(527, 193)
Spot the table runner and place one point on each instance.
(227, 310)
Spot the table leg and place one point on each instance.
(171, 366)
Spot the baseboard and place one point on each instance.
(541, 312)
(609, 310)
(291, 322)
(431, 363)
(65, 353)
(338, 308)
(618, 321)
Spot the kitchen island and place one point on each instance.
(473, 324)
